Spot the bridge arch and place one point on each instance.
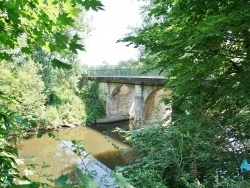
(121, 99)
(130, 96)
(154, 110)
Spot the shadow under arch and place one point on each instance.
(121, 100)
(154, 110)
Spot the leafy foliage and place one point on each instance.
(22, 94)
(23, 84)
(25, 27)
(206, 52)
(63, 102)
(94, 105)
(183, 157)
(44, 27)
(204, 46)
(7, 161)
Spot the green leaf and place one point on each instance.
(120, 180)
(40, 133)
(61, 41)
(32, 165)
(75, 12)
(61, 181)
(59, 64)
(6, 119)
(25, 122)
(26, 50)
(93, 4)
(5, 56)
(50, 134)
(65, 19)
(33, 123)
(73, 46)
(86, 179)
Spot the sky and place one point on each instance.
(109, 26)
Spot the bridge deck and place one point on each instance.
(128, 76)
(130, 80)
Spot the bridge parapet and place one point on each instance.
(126, 73)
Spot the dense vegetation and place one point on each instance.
(39, 73)
(95, 106)
(205, 47)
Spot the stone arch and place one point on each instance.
(154, 110)
(121, 100)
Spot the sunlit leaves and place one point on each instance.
(47, 23)
(24, 27)
(78, 147)
(95, 106)
(29, 172)
(74, 12)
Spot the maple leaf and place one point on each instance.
(64, 19)
(59, 64)
(93, 4)
(74, 44)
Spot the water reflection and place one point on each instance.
(108, 128)
(56, 153)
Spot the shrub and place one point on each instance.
(24, 85)
(184, 156)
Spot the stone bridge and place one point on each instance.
(128, 93)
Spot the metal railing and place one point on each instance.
(126, 72)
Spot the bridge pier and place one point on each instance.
(138, 119)
(108, 98)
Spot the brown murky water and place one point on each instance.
(50, 151)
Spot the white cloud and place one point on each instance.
(109, 26)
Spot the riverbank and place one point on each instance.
(112, 119)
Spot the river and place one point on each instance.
(50, 151)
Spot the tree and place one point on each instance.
(41, 24)
(205, 47)
(24, 26)
(94, 105)
(129, 64)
